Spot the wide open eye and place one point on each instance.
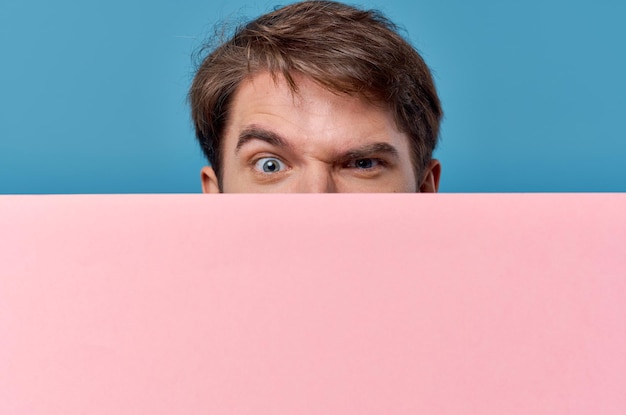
(269, 165)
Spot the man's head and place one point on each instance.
(317, 96)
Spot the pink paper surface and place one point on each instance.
(313, 304)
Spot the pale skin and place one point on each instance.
(312, 141)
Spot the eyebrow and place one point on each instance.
(274, 139)
(369, 150)
(255, 133)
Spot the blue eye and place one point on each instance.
(269, 165)
(364, 164)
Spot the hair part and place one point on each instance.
(343, 49)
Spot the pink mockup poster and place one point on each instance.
(313, 304)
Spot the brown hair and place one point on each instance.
(344, 49)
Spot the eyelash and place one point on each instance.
(267, 175)
(282, 164)
(351, 164)
(379, 163)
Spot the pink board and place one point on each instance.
(313, 304)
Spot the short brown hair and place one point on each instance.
(342, 48)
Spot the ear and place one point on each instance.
(430, 180)
(209, 180)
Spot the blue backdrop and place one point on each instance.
(93, 93)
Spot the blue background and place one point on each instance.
(93, 93)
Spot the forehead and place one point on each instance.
(311, 114)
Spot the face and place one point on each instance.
(312, 141)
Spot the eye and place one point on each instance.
(364, 163)
(269, 165)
